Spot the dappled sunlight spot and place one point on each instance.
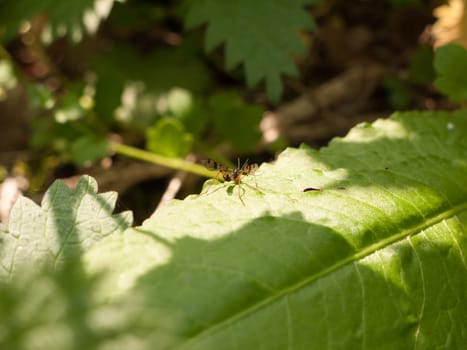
(391, 129)
(221, 220)
(121, 273)
(269, 127)
(387, 263)
(91, 21)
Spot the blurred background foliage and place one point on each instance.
(197, 79)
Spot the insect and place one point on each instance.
(233, 174)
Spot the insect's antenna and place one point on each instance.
(240, 195)
(244, 164)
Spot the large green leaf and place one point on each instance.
(375, 260)
(261, 34)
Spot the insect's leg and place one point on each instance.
(211, 192)
(240, 194)
(256, 183)
(255, 188)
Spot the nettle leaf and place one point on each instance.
(260, 34)
(67, 223)
(374, 259)
(451, 69)
(72, 18)
(47, 300)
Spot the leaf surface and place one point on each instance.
(375, 259)
(67, 223)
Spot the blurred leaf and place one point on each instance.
(136, 16)
(190, 111)
(88, 148)
(46, 132)
(168, 137)
(260, 34)
(179, 102)
(451, 71)
(40, 96)
(195, 121)
(69, 108)
(131, 85)
(72, 17)
(236, 121)
(398, 92)
(421, 68)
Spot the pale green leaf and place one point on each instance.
(67, 223)
(374, 260)
(47, 301)
(168, 138)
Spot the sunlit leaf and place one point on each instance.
(373, 257)
(168, 137)
(67, 223)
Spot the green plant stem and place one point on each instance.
(174, 163)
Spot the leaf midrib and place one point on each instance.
(339, 264)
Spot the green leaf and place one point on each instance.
(72, 18)
(190, 111)
(421, 68)
(168, 138)
(260, 34)
(47, 301)
(451, 70)
(398, 92)
(236, 121)
(88, 149)
(376, 259)
(67, 223)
